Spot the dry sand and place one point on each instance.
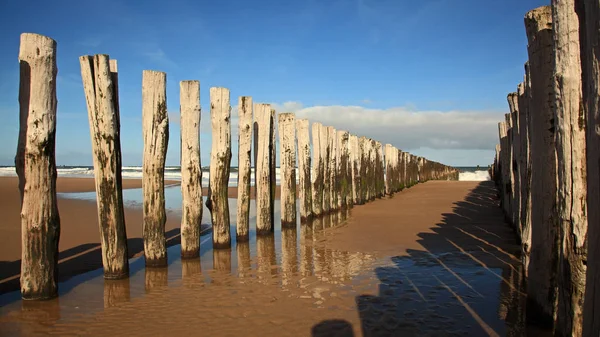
(436, 259)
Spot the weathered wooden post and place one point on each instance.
(191, 172)
(524, 107)
(304, 190)
(364, 169)
(589, 15)
(513, 102)
(100, 87)
(344, 182)
(287, 167)
(220, 161)
(570, 121)
(388, 169)
(326, 155)
(244, 151)
(317, 170)
(36, 167)
(272, 166)
(542, 276)
(155, 124)
(262, 117)
(504, 167)
(509, 160)
(333, 196)
(379, 170)
(355, 169)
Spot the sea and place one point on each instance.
(467, 173)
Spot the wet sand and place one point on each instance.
(436, 259)
(79, 244)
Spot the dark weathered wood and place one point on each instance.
(100, 87)
(318, 168)
(272, 165)
(542, 277)
(220, 163)
(244, 150)
(155, 127)
(569, 116)
(589, 15)
(304, 162)
(326, 155)
(287, 164)
(191, 168)
(36, 167)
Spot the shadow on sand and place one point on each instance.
(465, 281)
(79, 260)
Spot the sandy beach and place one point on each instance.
(435, 258)
(79, 243)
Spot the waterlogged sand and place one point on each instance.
(436, 259)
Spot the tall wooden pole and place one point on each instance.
(36, 167)
(100, 87)
(304, 187)
(326, 155)
(589, 15)
(220, 162)
(287, 164)
(570, 121)
(262, 117)
(272, 164)
(355, 169)
(333, 195)
(155, 124)
(541, 285)
(317, 170)
(191, 169)
(244, 152)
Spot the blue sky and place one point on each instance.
(428, 76)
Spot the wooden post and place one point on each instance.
(272, 165)
(541, 285)
(333, 195)
(344, 184)
(524, 107)
(388, 169)
(244, 152)
(287, 167)
(572, 207)
(191, 172)
(364, 180)
(100, 87)
(348, 169)
(326, 155)
(355, 159)
(513, 102)
(589, 15)
(36, 167)
(304, 190)
(262, 117)
(504, 165)
(155, 123)
(379, 170)
(220, 161)
(317, 170)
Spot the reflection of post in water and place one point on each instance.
(306, 249)
(156, 278)
(514, 301)
(243, 259)
(116, 292)
(265, 256)
(317, 225)
(46, 313)
(190, 272)
(222, 260)
(289, 254)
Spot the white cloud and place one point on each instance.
(408, 128)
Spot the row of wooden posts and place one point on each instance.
(344, 170)
(547, 167)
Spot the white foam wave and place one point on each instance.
(474, 176)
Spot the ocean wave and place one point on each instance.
(474, 176)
